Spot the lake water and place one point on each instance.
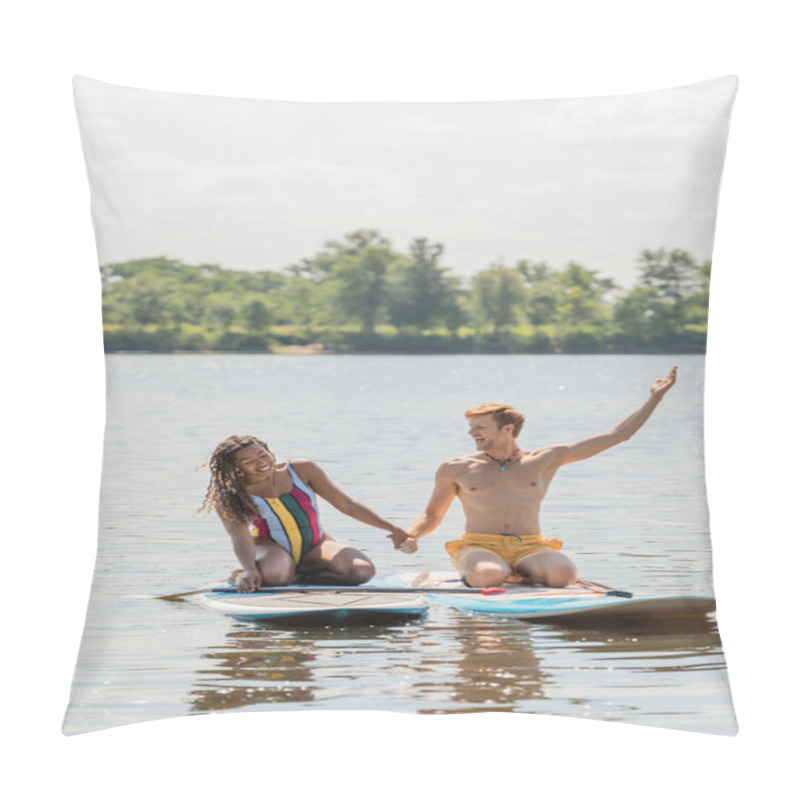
(634, 517)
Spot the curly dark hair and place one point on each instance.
(226, 492)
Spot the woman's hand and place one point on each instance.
(403, 541)
(249, 580)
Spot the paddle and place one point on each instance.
(362, 590)
(319, 589)
(610, 591)
(491, 590)
(180, 595)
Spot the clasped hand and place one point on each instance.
(403, 541)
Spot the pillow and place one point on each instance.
(342, 282)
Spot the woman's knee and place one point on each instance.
(276, 577)
(360, 571)
(276, 571)
(353, 568)
(341, 563)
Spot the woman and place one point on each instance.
(269, 509)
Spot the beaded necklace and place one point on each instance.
(502, 462)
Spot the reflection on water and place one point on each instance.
(251, 670)
(456, 663)
(496, 667)
(634, 518)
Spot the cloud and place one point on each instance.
(260, 184)
(681, 114)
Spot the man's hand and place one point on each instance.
(410, 545)
(402, 541)
(663, 385)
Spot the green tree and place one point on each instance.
(672, 292)
(674, 274)
(581, 296)
(696, 304)
(498, 296)
(320, 267)
(669, 305)
(257, 316)
(543, 292)
(422, 293)
(150, 299)
(221, 310)
(302, 302)
(636, 314)
(361, 285)
(162, 304)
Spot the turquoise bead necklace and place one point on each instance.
(510, 460)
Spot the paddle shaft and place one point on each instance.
(181, 595)
(359, 589)
(362, 589)
(318, 589)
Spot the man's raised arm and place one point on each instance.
(586, 448)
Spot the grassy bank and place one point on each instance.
(389, 340)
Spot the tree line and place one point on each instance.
(359, 294)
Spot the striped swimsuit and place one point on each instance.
(291, 520)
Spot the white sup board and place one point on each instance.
(326, 603)
(580, 600)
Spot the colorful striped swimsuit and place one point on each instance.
(291, 520)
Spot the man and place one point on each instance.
(501, 489)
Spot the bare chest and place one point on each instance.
(281, 485)
(519, 481)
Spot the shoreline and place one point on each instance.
(303, 350)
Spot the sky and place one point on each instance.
(260, 184)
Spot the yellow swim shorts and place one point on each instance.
(510, 547)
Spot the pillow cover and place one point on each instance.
(343, 281)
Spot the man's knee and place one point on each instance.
(561, 576)
(483, 576)
(550, 569)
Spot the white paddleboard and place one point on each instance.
(583, 599)
(326, 603)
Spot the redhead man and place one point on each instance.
(501, 489)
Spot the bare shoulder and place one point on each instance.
(313, 476)
(459, 464)
(546, 459)
(232, 526)
(304, 468)
(451, 470)
(542, 453)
